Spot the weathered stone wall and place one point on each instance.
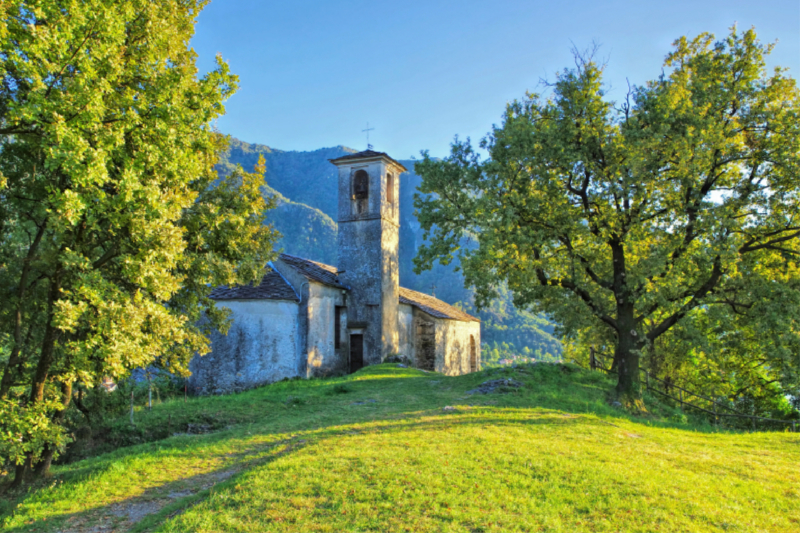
(301, 286)
(316, 322)
(451, 348)
(368, 256)
(260, 347)
(390, 287)
(360, 259)
(323, 357)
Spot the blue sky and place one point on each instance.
(313, 73)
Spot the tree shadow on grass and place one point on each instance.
(155, 505)
(341, 414)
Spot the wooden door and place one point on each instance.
(473, 355)
(356, 352)
(426, 345)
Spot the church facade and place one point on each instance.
(307, 319)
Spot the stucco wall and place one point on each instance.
(405, 330)
(322, 356)
(261, 347)
(453, 339)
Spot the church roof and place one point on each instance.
(367, 154)
(272, 287)
(434, 306)
(313, 271)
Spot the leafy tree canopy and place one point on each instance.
(677, 206)
(113, 224)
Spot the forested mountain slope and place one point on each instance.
(306, 185)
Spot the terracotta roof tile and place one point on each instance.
(319, 272)
(434, 306)
(272, 287)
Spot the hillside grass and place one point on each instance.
(378, 451)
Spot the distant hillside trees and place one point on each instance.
(676, 209)
(113, 224)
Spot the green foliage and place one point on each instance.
(636, 220)
(27, 429)
(113, 224)
(492, 353)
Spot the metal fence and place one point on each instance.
(682, 396)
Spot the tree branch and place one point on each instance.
(699, 294)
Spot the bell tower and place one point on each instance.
(369, 224)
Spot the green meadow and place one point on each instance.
(392, 449)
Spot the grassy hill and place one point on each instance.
(393, 449)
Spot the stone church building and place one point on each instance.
(310, 319)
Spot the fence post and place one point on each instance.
(592, 362)
(647, 379)
(794, 426)
(754, 418)
(681, 397)
(132, 422)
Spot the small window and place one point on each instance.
(390, 188)
(361, 185)
(337, 327)
(473, 355)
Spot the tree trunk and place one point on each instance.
(629, 341)
(49, 451)
(14, 359)
(627, 355)
(21, 473)
(46, 357)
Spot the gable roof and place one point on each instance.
(313, 271)
(367, 154)
(272, 287)
(434, 306)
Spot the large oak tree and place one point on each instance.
(113, 223)
(631, 217)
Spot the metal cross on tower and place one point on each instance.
(369, 146)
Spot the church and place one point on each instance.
(309, 319)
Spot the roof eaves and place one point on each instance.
(367, 155)
(299, 299)
(433, 306)
(327, 275)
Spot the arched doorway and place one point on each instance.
(426, 345)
